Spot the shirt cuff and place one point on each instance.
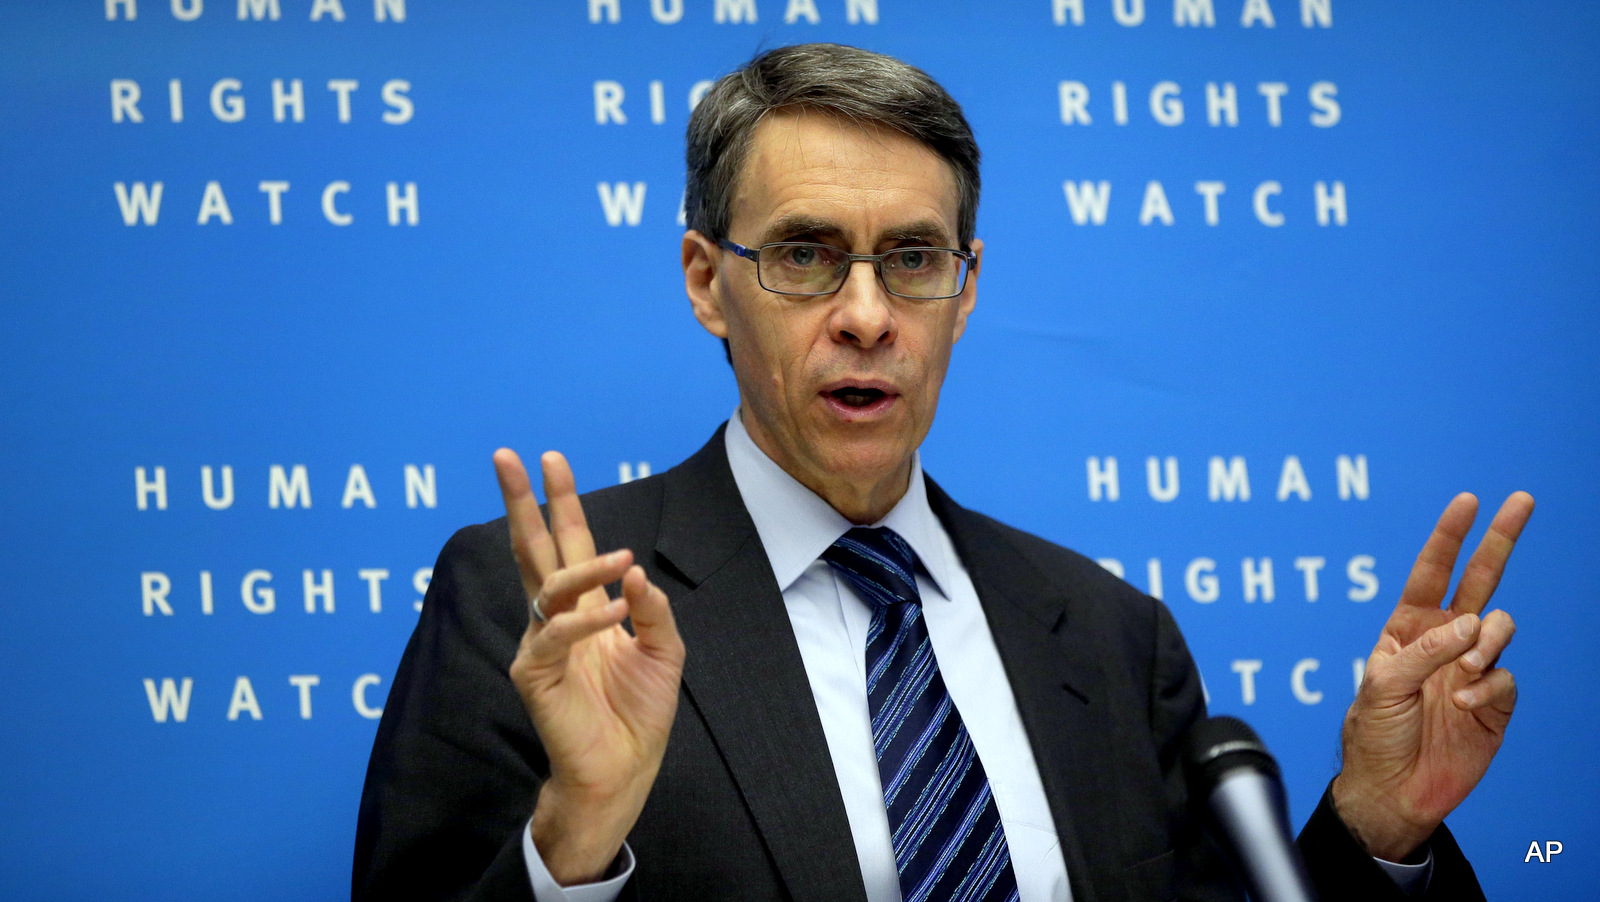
(1411, 878)
(546, 889)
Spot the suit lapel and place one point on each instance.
(745, 677)
(1056, 680)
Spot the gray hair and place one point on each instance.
(857, 85)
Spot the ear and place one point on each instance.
(701, 260)
(969, 295)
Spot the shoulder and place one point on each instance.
(1061, 561)
(1069, 571)
(1051, 580)
(615, 514)
(476, 584)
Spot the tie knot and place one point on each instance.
(878, 563)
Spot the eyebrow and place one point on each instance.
(800, 224)
(927, 230)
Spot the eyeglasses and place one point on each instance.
(806, 269)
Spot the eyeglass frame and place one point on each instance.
(753, 254)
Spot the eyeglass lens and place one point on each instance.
(820, 269)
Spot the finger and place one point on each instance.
(1430, 576)
(567, 522)
(1495, 690)
(1498, 628)
(554, 642)
(564, 587)
(1403, 674)
(653, 623)
(530, 541)
(1482, 573)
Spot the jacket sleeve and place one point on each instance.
(456, 764)
(1341, 869)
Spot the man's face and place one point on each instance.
(838, 389)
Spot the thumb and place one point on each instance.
(1405, 672)
(651, 613)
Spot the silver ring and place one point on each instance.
(537, 608)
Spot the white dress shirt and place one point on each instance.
(830, 624)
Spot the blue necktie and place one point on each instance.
(948, 841)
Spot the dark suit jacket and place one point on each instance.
(746, 807)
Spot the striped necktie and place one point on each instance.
(948, 841)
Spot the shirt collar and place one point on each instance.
(796, 526)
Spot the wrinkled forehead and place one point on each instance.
(819, 174)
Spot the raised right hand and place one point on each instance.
(601, 700)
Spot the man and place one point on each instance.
(859, 689)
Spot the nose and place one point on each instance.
(863, 315)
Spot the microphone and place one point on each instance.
(1228, 767)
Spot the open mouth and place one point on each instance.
(856, 396)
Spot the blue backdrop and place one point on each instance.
(309, 245)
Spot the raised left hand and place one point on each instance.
(1433, 706)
